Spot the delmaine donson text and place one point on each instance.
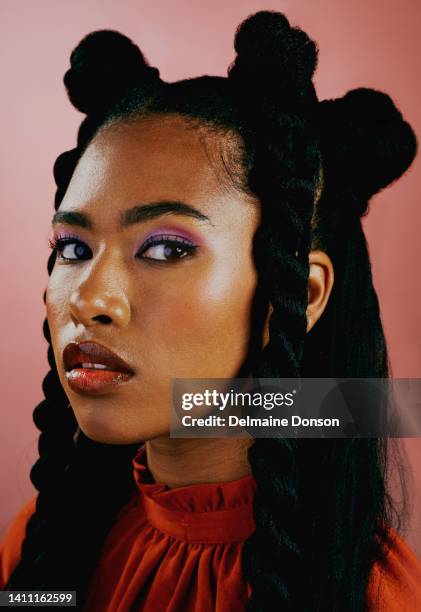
(247, 421)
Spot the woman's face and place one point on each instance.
(155, 264)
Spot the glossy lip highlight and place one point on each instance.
(94, 369)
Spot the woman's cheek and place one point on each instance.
(203, 324)
(57, 302)
(198, 301)
(54, 298)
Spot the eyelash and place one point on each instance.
(174, 241)
(58, 244)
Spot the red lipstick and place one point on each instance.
(92, 368)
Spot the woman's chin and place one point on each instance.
(103, 436)
(107, 434)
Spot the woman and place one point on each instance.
(211, 228)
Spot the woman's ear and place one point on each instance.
(320, 283)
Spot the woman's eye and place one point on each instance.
(71, 249)
(166, 249)
(157, 248)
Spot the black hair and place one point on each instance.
(316, 539)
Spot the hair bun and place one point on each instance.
(366, 144)
(274, 57)
(104, 65)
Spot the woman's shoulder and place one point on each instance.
(395, 584)
(10, 545)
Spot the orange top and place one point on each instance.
(180, 550)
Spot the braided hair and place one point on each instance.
(316, 539)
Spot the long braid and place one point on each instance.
(57, 424)
(333, 574)
(73, 474)
(272, 78)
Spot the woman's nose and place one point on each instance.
(101, 297)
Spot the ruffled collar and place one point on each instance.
(200, 513)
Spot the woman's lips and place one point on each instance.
(92, 368)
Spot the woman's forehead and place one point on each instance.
(157, 158)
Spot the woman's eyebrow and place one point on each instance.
(137, 214)
(71, 217)
(142, 212)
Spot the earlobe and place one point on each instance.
(320, 283)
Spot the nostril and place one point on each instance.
(103, 319)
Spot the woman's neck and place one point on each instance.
(182, 462)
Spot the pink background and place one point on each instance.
(375, 44)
